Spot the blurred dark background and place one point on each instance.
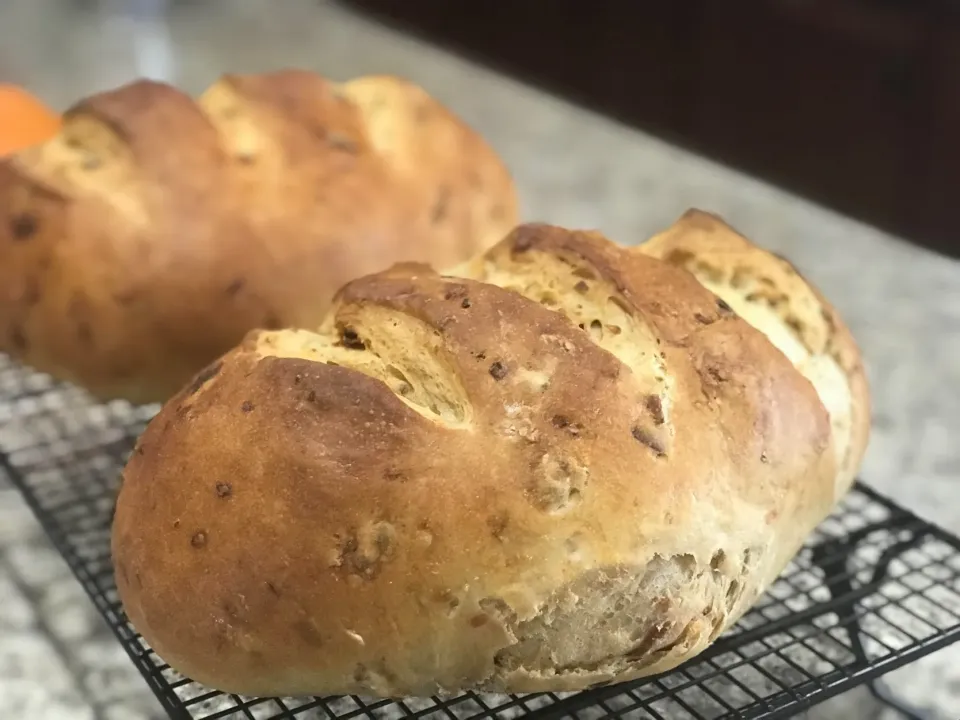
(853, 103)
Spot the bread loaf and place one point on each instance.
(155, 231)
(563, 463)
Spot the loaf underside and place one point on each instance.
(617, 624)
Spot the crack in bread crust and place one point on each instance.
(376, 342)
(489, 491)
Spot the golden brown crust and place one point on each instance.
(155, 231)
(568, 463)
(778, 300)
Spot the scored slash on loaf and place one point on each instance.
(561, 463)
(155, 230)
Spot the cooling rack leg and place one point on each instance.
(832, 559)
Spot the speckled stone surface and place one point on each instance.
(57, 661)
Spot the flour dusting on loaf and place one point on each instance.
(563, 463)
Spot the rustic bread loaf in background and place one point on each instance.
(563, 463)
(155, 231)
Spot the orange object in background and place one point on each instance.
(24, 119)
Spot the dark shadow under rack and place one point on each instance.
(874, 589)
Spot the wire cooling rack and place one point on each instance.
(875, 588)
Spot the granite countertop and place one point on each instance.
(57, 660)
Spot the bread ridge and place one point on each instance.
(766, 288)
(155, 230)
(497, 498)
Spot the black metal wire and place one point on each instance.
(874, 589)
